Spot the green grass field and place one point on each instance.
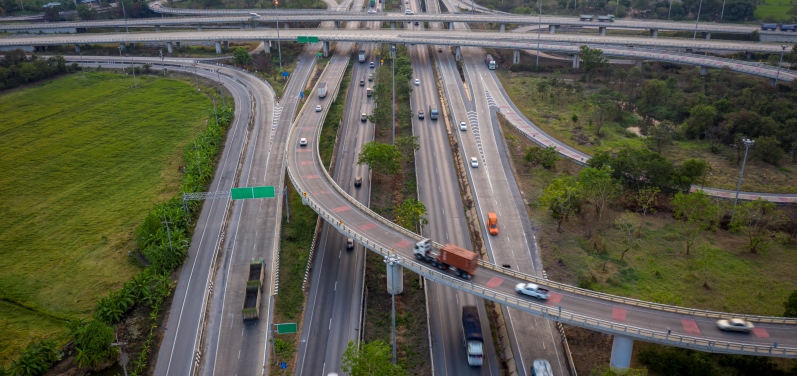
(776, 9)
(83, 162)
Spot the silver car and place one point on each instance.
(735, 325)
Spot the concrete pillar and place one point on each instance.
(395, 279)
(654, 33)
(325, 48)
(457, 53)
(515, 56)
(602, 30)
(503, 28)
(169, 47)
(267, 46)
(77, 47)
(638, 64)
(337, 24)
(218, 47)
(708, 36)
(226, 44)
(450, 26)
(132, 45)
(552, 29)
(772, 81)
(157, 28)
(177, 44)
(199, 28)
(116, 29)
(703, 71)
(576, 61)
(122, 46)
(392, 26)
(621, 352)
(243, 25)
(748, 55)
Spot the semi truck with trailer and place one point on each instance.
(322, 90)
(463, 261)
(472, 335)
(254, 286)
(489, 61)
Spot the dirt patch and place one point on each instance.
(589, 348)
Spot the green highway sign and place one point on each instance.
(286, 328)
(312, 39)
(301, 39)
(307, 39)
(252, 192)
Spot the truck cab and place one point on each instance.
(492, 223)
(422, 248)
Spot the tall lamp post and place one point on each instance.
(669, 11)
(722, 13)
(747, 143)
(697, 21)
(393, 75)
(392, 261)
(279, 49)
(782, 50)
(124, 14)
(539, 28)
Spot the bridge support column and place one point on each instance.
(503, 28)
(77, 47)
(576, 61)
(337, 24)
(708, 36)
(267, 46)
(638, 64)
(552, 29)
(169, 47)
(395, 279)
(218, 47)
(199, 28)
(602, 30)
(450, 26)
(621, 352)
(157, 28)
(515, 56)
(457, 53)
(392, 26)
(654, 33)
(226, 44)
(177, 44)
(123, 47)
(748, 55)
(772, 81)
(703, 71)
(326, 48)
(116, 29)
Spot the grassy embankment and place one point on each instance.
(83, 162)
(774, 10)
(555, 119)
(296, 239)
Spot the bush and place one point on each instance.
(36, 358)
(547, 157)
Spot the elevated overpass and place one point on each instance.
(269, 16)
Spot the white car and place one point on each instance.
(417, 82)
(408, 12)
(735, 325)
(371, 65)
(463, 126)
(474, 162)
(254, 15)
(302, 141)
(318, 108)
(371, 11)
(541, 367)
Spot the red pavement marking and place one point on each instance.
(341, 209)
(554, 298)
(311, 176)
(303, 150)
(618, 314)
(306, 162)
(690, 326)
(367, 226)
(760, 333)
(402, 244)
(494, 282)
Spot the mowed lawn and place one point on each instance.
(82, 163)
(778, 9)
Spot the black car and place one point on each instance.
(358, 181)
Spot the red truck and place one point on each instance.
(463, 261)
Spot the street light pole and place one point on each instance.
(279, 49)
(82, 67)
(124, 14)
(782, 50)
(539, 28)
(393, 75)
(747, 143)
(392, 262)
(133, 68)
(723, 9)
(669, 11)
(218, 74)
(196, 78)
(697, 21)
(163, 66)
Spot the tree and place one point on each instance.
(695, 212)
(691, 172)
(546, 157)
(769, 150)
(381, 158)
(708, 258)
(638, 168)
(562, 196)
(92, 341)
(598, 186)
(609, 371)
(574, 119)
(754, 218)
(370, 359)
(739, 10)
(593, 60)
(659, 136)
(629, 225)
(241, 56)
(407, 145)
(411, 213)
(85, 13)
(646, 199)
(701, 118)
(654, 92)
(790, 305)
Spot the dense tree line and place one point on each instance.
(17, 68)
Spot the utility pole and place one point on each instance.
(82, 67)
(218, 74)
(214, 111)
(133, 68)
(198, 164)
(723, 9)
(392, 261)
(287, 207)
(196, 78)
(782, 50)
(669, 11)
(539, 28)
(697, 21)
(393, 74)
(168, 234)
(279, 50)
(747, 144)
(124, 14)
(163, 66)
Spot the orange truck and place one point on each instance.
(463, 261)
(492, 223)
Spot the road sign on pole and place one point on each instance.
(312, 39)
(301, 39)
(252, 192)
(286, 328)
